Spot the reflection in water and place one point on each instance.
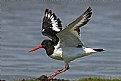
(20, 30)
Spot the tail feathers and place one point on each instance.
(98, 50)
(91, 50)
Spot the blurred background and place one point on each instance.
(20, 30)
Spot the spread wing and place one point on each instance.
(70, 36)
(51, 24)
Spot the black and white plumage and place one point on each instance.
(65, 44)
(51, 25)
(50, 21)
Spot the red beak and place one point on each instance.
(36, 48)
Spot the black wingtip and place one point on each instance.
(99, 50)
(87, 14)
(46, 10)
(89, 9)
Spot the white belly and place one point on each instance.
(68, 53)
(57, 54)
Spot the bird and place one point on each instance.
(64, 43)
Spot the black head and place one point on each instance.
(48, 45)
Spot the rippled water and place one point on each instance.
(20, 25)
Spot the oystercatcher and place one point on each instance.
(64, 43)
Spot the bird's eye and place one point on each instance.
(44, 42)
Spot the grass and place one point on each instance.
(82, 79)
(97, 79)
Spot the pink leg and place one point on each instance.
(58, 72)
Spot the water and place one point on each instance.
(20, 25)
